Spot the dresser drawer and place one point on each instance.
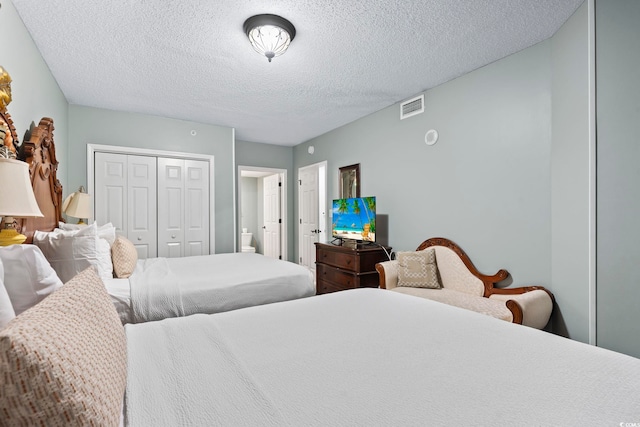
(338, 259)
(343, 279)
(323, 287)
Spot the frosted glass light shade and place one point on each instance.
(270, 35)
(16, 194)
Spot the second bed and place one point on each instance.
(174, 287)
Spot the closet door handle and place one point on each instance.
(139, 238)
(173, 236)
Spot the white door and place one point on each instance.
(272, 218)
(110, 190)
(309, 223)
(125, 195)
(196, 226)
(183, 207)
(170, 207)
(141, 198)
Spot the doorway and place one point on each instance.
(262, 208)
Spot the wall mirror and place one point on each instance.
(349, 179)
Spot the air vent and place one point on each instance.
(412, 107)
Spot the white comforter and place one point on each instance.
(173, 287)
(370, 357)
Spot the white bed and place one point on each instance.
(174, 287)
(370, 357)
(157, 288)
(357, 357)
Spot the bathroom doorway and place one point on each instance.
(262, 219)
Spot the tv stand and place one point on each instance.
(347, 267)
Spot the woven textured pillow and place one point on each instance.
(124, 257)
(418, 269)
(63, 361)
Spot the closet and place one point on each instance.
(159, 203)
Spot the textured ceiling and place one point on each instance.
(191, 60)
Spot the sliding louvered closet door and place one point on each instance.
(160, 204)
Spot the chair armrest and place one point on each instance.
(388, 271)
(536, 304)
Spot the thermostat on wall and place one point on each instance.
(431, 137)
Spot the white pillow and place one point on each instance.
(71, 252)
(6, 308)
(28, 277)
(106, 231)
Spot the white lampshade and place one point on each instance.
(16, 194)
(79, 206)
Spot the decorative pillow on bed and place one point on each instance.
(6, 308)
(418, 269)
(63, 362)
(70, 252)
(124, 257)
(28, 277)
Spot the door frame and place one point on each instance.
(322, 202)
(93, 148)
(284, 207)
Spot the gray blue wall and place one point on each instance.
(618, 112)
(485, 184)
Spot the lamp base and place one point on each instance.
(9, 236)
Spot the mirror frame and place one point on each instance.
(349, 181)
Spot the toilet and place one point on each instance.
(246, 241)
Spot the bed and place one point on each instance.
(152, 289)
(356, 357)
(172, 287)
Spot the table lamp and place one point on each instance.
(16, 199)
(78, 205)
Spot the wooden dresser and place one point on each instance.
(347, 267)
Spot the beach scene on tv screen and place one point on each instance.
(354, 219)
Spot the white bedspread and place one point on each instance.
(370, 357)
(173, 287)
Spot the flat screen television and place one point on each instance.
(354, 219)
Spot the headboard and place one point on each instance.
(40, 153)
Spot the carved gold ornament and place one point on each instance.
(5, 88)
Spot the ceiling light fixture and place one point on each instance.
(269, 35)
